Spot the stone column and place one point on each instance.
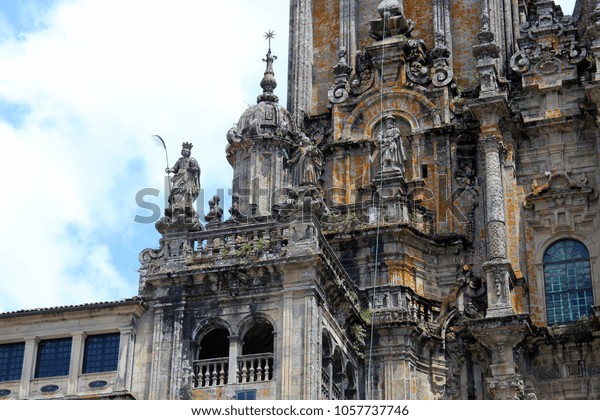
(235, 349)
(497, 267)
(327, 366)
(494, 191)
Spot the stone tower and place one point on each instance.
(449, 132)
(421, 223)
(257, 146)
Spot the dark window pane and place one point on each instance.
(53, 358)
(11, 361)
(246, 395)
(101, 353)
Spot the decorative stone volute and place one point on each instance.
(441, 71)
(592, 35)
(341, 72)
(548, 48)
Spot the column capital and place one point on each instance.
(491, 142)
(235, 339)
(509, 388)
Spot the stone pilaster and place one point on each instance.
(300, 60)
(156, 389)
(124, 377)
(77, 348)
(31, 346)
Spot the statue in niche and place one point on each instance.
(185, 184)
(307, 163)
(474, 295)
(391, 147)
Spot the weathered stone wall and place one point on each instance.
(326, 41)
(466, 15)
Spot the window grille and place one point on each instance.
(568, 282)
(101, 353)
(11, 361)
(53, 358)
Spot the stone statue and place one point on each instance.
(392, 149)
(392, 22)
(185, 184)
(536, 189)
(215, 214)
(307, 163)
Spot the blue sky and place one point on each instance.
(84, 84)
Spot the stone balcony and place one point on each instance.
(251, 369)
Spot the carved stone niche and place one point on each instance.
(549, 50)
(559, 201)
(392, 149)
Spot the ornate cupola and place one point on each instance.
(258, 146)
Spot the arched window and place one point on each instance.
(256, 362)
(567, 281)
(211, 364)
(214, 344)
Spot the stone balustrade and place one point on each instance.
(210, 372)
(250, 369)
(241, 241)
(255, 368)
(401, 304)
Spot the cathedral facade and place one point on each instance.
(421, 222)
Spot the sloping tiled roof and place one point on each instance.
(94, 305)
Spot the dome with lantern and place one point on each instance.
(265, 120)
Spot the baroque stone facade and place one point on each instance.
(421, 222)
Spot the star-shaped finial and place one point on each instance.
(269, 35)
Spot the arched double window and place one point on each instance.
(567, 282)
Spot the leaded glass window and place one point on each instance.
(53, 358)
(568, 282)
(101, 353)
(11, 361)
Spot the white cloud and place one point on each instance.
(97, 81)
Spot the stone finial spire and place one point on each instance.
(268, 82)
